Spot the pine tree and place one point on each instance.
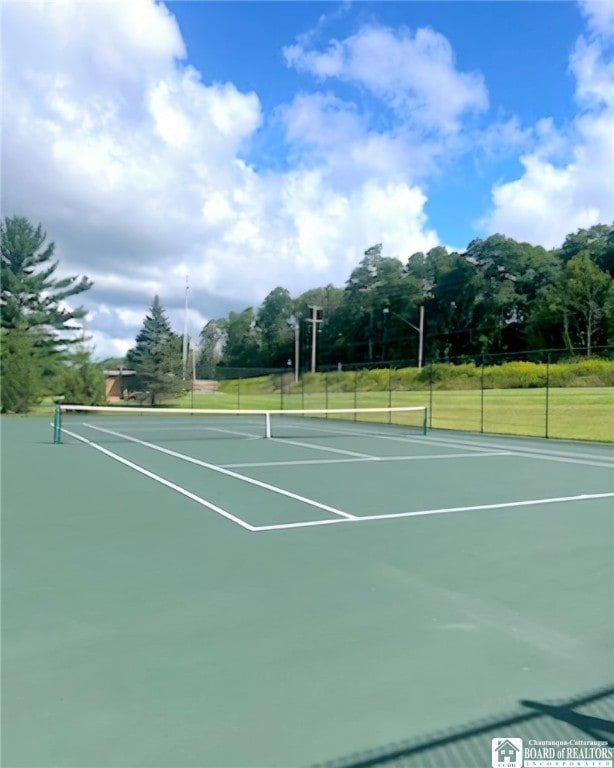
(156, 357)
(21, 370)
(31, 296)
(37, 326)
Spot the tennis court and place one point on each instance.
(216, 591)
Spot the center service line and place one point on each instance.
(222, 471)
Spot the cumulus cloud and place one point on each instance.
(600, 17)
(414, 74)
(136, 167)
(567, 178)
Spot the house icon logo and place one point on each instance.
(506, 753)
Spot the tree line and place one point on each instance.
(497, 296)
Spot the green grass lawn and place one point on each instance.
(575, 413)
(578, 413)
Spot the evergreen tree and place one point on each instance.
(36, 324)
(31, 296)
(157, 357)
(21, 370)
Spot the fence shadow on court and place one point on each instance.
(586, 717)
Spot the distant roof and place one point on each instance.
(122, 372)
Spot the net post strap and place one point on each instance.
(57, 425)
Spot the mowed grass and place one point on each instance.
(574, 413)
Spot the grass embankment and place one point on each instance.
(578, 413)
(510, 398)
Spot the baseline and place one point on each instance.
(445, 511)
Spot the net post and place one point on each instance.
(267, 425)
(57, 425)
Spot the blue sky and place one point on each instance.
(523, 53)
(250, 145)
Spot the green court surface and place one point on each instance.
(350, 596)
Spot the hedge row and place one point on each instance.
(591, 372)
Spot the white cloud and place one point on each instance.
(594, 76)
(600, 16)
(415, 75)
(329, 132)
(134, 169)
(567, 180)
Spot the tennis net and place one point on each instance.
(116, 423)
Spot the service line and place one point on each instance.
(382, 459)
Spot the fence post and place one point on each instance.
(281, 390)
(355, 390)
(390, 392)
(326, 390)
(431, 382)
(548, 395)
(239, 393)
(482, 396)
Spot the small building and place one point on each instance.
(115, 383)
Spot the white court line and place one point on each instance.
(545, 454)
(163, 481)
(199, 429)
(363, 456)
(449, 510)
(248, 435)
(358, 433)
(223, 471)
(537, 453)
(299, 462)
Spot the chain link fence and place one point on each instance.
(544, 393)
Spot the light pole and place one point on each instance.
(420, 329)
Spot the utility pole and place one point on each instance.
(419, 330)
(314, 320)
